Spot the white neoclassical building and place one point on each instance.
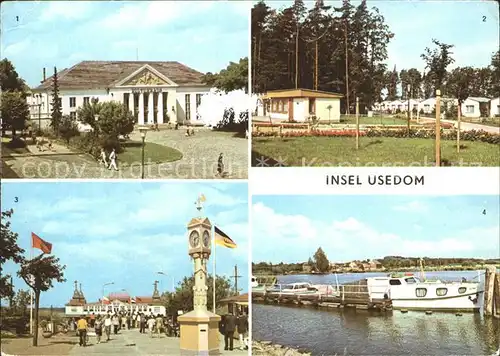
(156, 92)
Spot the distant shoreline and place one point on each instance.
(445, 269)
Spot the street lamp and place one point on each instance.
(143, 130)
(408, 87)
(172, 277)
(39, 104)
(106, 284)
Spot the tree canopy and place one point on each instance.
(39, 274)
(234, 77)
(9, 251)
(182, 299)
(9, 78)
(321, 261)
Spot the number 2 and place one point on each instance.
(484, 18)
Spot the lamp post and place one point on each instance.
(408, 87)
(172, 277)
(39, 104)
(106, 284)
(143, 130)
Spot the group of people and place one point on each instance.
(113, 323)
(231, 324)
(103, 159)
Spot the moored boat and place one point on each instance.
(409, 292)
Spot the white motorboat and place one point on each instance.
(298, 288)
(409, 292)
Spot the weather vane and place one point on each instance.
(199, 202)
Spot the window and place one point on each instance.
(469, 109)
(421, 292)
(427, 107)
(157, 310)
(72, 115)
(411, 280)
(86, 100)
(441, 292)
(395, 282)
(188, 106)
(125, 100)
(462, 290)
(72, 102)
(198, 100)
(273, 104)
(285, 107)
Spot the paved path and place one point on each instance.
(200, 155)
(131, 342)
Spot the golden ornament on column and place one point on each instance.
(199, 328)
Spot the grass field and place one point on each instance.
(373, 151)
(153, 153)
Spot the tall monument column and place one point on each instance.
(199, 328)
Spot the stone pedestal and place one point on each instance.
(199, 333)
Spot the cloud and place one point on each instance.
(412, 207)
(65, 10)
(293, 238)
(16, 48)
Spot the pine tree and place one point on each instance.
(56, 113)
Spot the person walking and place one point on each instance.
(229, 329)
(98, 329)
(82, 330)
(159, 324)
(142, 323)
(116, 324)
(242, 325)
(112, 160)
(102, 158)
(92, 320)
(128, 321)
(107, 326)
(151, 325)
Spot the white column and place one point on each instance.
(131, 102)
(151, 114)
(160, 108)
(141, 109)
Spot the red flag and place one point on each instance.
(38, 242)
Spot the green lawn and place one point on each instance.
(373, 151)
(376, 120)
(153, 153)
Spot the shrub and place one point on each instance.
(16, 142)
(17, 324)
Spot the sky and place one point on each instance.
(124, 232)
(204, 35)
(291, 228)
(415, 23)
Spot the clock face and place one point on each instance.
(194, 239)
(206, 238)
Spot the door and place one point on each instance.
(203, 337)
(298, 110)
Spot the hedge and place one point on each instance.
(473, 135)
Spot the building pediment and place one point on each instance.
(145, 76)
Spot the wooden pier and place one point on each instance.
(346, 296)
(492, 292)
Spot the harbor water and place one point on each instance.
(362, 332)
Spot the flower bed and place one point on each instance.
(329, 133)
(287, 125)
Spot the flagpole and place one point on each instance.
(215, 275)
(31, 290)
